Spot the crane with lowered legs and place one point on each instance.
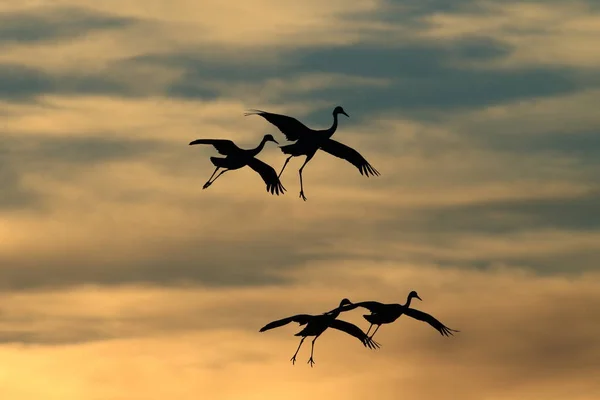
(309, 141)
(237, 158)
(387, 313)
(317, 324)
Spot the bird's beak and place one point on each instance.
(194, 142)
(417, 296)
(275, 141)
(343, 112)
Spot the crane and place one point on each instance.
(237, 158)
(309, 141)
(317, 324)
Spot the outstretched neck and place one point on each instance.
(329, 132)
(408, 300)
(258, 148)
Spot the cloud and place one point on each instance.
(135, 192)
(417, 77)
(20, 83)
(122, 278)
(513, 337)
(48, 24)
(541, 33)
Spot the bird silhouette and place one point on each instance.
(317, 324)
(238, 158)
(388, 313)
(309, 141)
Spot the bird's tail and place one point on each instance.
(218, 162)
(287, 149)
(370, 318)
(253, 112)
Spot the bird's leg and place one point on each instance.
(302, 196)
(207, 184)
(370, 326)
(376, 329)
(311, 361)
(284, 164)
(293, 359)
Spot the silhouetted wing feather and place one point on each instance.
(373, 306)
(348, 307)
(268, 175)
(344, 152)
(421, 316)
(301, 319)
(223, 146)
(289, 126)
(355, 331)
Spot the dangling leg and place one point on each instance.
(302, 196)
(293, 359)
(207, 184)
(370, 326)
(311, 361)
(376, 329)
(213, 174)
(284, 164)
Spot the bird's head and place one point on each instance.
(345, 302)
(270, 138)
(340, 110)
(414, 294)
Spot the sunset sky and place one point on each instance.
(121, 279)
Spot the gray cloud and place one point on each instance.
(54, 23)
(424, 77)
(19, 83)
(57, 157)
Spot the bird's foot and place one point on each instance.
(311, 361)
(293, 359)
(302, 196)
(207, 184)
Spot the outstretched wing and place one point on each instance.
(344, 152)
(223, 146)
(289, 126)
(373, 306)
(421, 316)
(268, 175)
(301, 319)
(355, 331)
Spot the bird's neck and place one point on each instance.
(258, 148)
(335, 312)
(329, 132)
(408, 300)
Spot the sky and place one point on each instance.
(122, 279)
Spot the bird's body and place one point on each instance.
(315, 325)
(387, 313)
(309, 141)
(237, 158)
